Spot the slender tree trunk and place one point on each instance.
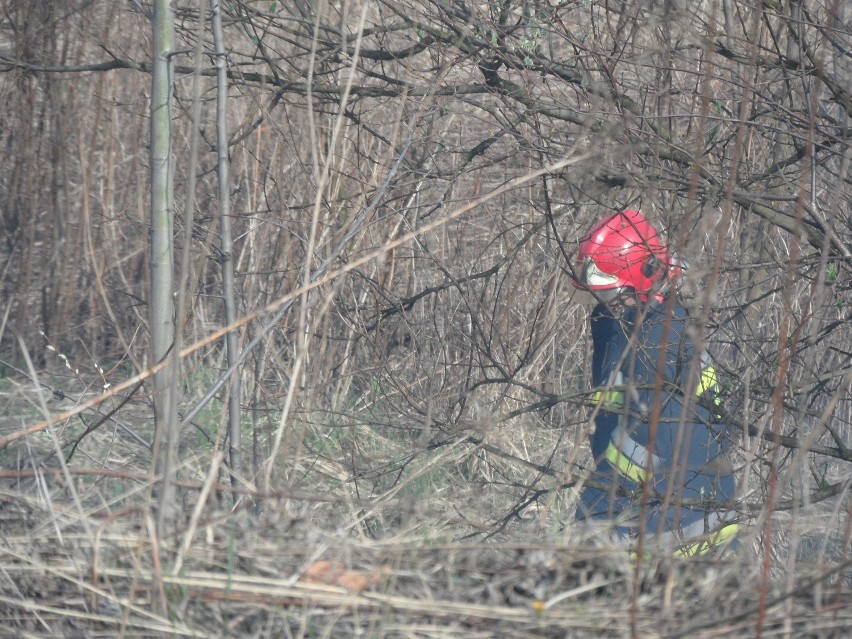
(234, 434)
(161, 302)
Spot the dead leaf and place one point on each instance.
(333, 573)
(323, 572)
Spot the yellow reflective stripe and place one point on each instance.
(721, 536)
(609, 399)
(612, 398)
(708, 381)
(625, 466)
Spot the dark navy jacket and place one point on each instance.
(654, 430)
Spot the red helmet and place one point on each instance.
(621, 253)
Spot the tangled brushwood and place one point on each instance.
(289, 345)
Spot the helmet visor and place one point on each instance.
(593, 277)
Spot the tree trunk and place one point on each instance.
(234, 434)
(161, 303)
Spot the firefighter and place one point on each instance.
(661, 465)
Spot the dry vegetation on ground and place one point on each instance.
(415, 398)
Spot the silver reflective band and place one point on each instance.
(630, 457)
(698, 528)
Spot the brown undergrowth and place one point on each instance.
(367, 531)
(83, 560)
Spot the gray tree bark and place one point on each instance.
(161, 302)
(234, 433)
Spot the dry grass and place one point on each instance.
(248, 581)
(406, 558)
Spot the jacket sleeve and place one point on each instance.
(609, 343)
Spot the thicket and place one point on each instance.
(408, 183)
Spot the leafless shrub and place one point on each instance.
(414, 377)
